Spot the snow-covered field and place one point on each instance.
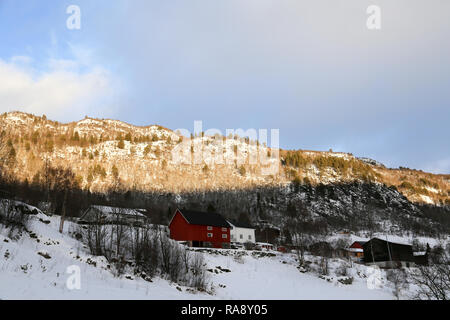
(34, 266)
(278, 278)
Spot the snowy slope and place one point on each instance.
(34, 265)
(270, 278)
(24, 274)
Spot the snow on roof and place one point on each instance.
(355, 250)
(393, 240)
(264, 244)
(404, 240)
(113, 210)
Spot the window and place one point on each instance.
(249, 237)
(241, 236)
(210, 228)
(224, 236)
(224, 229)
(210, 235)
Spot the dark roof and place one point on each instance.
(378, 250)
(205, 218)
(241, 224)
(360, 242)
(390, 242)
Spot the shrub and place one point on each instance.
(145, 248)
(147, 149)
(406, 185)
(342, 269)
(13, 216)
(346, 280)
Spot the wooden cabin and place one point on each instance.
(355, 250)
(387, 254)
(200, 229)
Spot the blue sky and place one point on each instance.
(309, 68)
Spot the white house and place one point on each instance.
(241, 233)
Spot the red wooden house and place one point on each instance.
(200, 229)
(356, 249)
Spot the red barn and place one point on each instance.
(356, 249)
(358, 244)
(200, 229)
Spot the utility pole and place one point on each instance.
(371, 250)
(389, 250)
(63, 214)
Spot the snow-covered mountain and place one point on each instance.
(102, 151)
(159, 169)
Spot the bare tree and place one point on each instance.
(171, 261)
(300, 238)
(434, 280)
(63, 214)
(186, 257)
(150, 254)
(198, 278)
(398, 277)
(64, 182)
(299, 242)
(13, 216)
(96, 235)
(119, 231)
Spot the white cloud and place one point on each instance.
(440, 166)
(21, 60)
(62, 64)
(62, 92)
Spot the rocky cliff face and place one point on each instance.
(149, 158)
(106, 155)
(355, 206)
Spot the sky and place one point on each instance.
(311, 69)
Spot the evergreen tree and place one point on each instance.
(147, 150)
(76, 136)
(115, 172)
